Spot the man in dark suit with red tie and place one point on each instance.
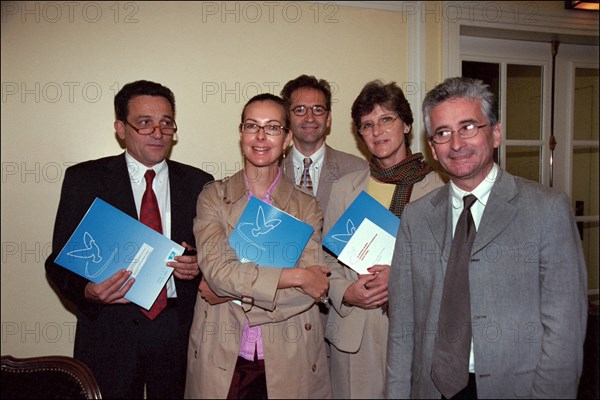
(134, 353)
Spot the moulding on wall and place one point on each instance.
(523, 15)
(524, 20)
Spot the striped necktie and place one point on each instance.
(305, 180)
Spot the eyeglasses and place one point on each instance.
(317, 110)
(367, 128)
(167, 127)
(466, 132)
(251, 128)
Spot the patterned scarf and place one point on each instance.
(404, 175)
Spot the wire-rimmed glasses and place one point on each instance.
(466, 132)
(385, 122)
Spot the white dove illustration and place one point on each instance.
(91, 250)
(263, 226)
(344, 237)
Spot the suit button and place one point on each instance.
(314, 367)
(307, 326)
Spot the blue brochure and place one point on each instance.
(364, 206)
(268, 236)
(107, 240)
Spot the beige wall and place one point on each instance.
(62, 65)
(63, 62)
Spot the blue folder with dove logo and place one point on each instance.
(268, 236)
(364, 206)
(107, 240)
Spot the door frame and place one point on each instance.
(514, 20)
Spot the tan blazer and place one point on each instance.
(348, 323)
(295, 358)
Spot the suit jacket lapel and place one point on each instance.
(235, 193)
(118, 185)
(329, 173)
(288, 167)
(359, 183)
(282, 194)
(499, 212)
(178, 195)
(438, 220)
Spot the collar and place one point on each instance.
(137, 170)
(235, 189)
(270, 189)
(316, 157)
(482, 191)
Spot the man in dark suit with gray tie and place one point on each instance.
(524, 292)
(132, 353)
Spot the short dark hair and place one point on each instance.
(389, 95)
(461, 88)
(269, 97)
(140, 88)
(307, 81)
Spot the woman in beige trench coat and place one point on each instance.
(256, 331)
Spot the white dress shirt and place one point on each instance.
(315, 168)
(161, 188)
(482, 192)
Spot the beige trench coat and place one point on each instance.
(293, 338)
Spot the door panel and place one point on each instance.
(519, 72)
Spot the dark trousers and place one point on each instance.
(130, 354)
(249, 380)
(469, 392)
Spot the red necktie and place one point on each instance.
(150, 216)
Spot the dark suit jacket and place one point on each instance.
(108, 179)
(528, 284)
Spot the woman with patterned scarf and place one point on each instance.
(357, 328)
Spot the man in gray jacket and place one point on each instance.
(526, 283)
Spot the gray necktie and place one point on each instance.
(450, 363)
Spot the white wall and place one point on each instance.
(63, 62)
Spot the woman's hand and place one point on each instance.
(369, 291)
(315, 282)
(207, 294)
